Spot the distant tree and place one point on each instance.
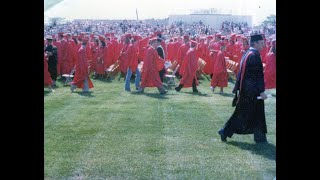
(270, 20)
(56, 21)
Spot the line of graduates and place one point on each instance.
(103, 51)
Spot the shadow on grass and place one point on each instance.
(88, 94)
(46, 92)
(61, 79)
(204, 77)
(265, 150)
(197, 94)
(153, 95)
(107, 80)
(230, 80)
(225, 94)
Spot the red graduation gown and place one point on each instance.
(150, 74)
(47, 76)
(81, 70)
(270, 71)
(220, 75)
(189, 68)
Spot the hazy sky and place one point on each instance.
(126, 9)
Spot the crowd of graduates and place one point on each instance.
(90, 46)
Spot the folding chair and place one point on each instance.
(113, 69)
(69, 76)
(172, 67)
(170, 77)
(231, 70)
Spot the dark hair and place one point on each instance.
(273, 49)
(96, 41)
(103, 43)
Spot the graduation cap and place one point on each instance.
(127, 35)
(157, 32)
(210, 37)
(256, 37)
(153, 39)
(218, 35)
(101, 38)
(136, 37)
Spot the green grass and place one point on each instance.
(113, 134)
(50, 3)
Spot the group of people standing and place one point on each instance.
(88, 53)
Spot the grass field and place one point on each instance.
(50, 3)
(113, 134)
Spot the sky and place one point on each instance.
(147, 9)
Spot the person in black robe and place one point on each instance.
(249, 114)
(161, 54)
(52, 53)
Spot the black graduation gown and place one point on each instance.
(161, 54)
(249, 115)
(52, 61)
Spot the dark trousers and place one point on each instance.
(194, 86)
(161, 74)
(53, 73)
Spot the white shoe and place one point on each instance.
(212, 88)
(51, 89)
(140, 90)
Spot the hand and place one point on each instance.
(263, 96)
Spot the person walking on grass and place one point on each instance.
(189, 69)
(81, 78)
(249, 115)
(150, 72)
(220, 74)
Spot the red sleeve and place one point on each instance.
(148, 60)
(218, 66)
(82, 63)
(194, 62)
(131, 55)
(179, 54)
